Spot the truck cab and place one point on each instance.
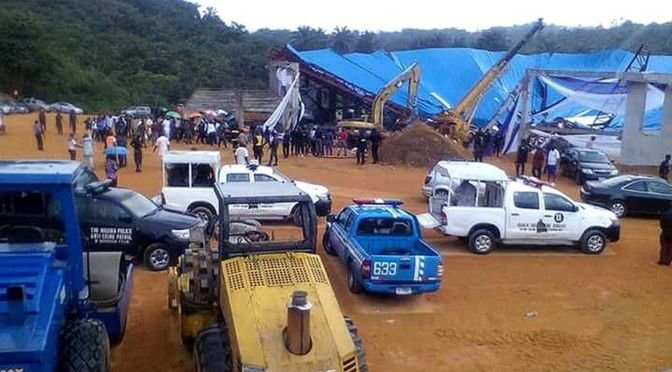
(382, 248)
(483, 206)
(60, 305)
(188, 180)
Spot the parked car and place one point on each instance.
(35, 104)
(11, 106)
(628, 194)
(586, 165)
(382, 248)
(65, 107)
(6, 107)
(137, 111)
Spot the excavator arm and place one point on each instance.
(410, 75)
(456, 117)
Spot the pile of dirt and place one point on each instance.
(420, 146)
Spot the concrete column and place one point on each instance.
(631, 150)
(666, 130)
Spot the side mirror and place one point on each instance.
(331, 218)
(576, 208)
(125, 219)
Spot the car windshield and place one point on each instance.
(139, 205)
(281, 176)
(615, 181)
(593, 157)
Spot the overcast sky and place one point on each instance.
(379, 15)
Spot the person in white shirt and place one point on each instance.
(242, 155)
(552, 164)
(162, 144)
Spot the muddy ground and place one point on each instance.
(609, 312)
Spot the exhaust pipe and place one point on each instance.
(297, 334)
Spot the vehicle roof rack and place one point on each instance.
(377, 201)
(533, 181)
(98, 186)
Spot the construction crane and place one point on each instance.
(456, 121)
(410, 75)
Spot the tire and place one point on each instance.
(157, 257)
(327, 246)
(212, 351)
(205, 212)
(84, 347)
(482, 241)
(619, 208)
(593, 241)
(359, 345)
(353, 283)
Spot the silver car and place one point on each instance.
(35, 104)
(65, 107)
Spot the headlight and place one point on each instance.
(249, 368)
(614, 172)
(181, 234)
(587, 171)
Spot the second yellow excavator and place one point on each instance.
(410, 75)
(455, 122)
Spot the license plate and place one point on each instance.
(404, 291)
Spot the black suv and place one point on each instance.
(586, 165)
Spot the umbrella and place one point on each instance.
(195, 115)
(222, 113)
(173, 114)
(117, 150)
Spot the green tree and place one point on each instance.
(308, 38)
(343, 39)
(493, 39)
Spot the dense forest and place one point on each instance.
(105, 54)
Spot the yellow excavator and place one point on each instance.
(410, 75)
(457, 122)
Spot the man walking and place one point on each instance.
(38, 130)
(273, 145)
(162, 144)
(73, 122)
(137, 145)
(72, 147)
(342, 138)
(521, 158)
(42, 117)
(242, 155)
(258, 146)
(59, 123)
(361, 149)
(664, 169)
(87, 151)
(376, 138)
(552, 164)
(284, 137)
(665, 238)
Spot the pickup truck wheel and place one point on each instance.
(619, 208)
(482, 241)
(157, 257)
(593, 242)
(353, 284)
(203, 212)
(327, 246)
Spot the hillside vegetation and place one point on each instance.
(105, 54)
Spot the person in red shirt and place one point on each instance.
(538, 162)
(342, 137)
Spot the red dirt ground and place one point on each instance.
(610, 312)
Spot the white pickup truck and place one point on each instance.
(188, 186)
(480, 204)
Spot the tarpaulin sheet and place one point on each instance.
(450, 73)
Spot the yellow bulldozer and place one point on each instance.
(260, 299)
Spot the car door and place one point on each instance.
(241, 210)
(273, 210)
(338, 236)
(660, 194)
(110, 227)
(525, 217)
(637, 196)
(561, 216)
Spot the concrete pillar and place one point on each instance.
(666, 130)
(631, 150)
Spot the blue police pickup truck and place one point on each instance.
(382, 247)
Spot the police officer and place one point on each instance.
(376, 138)
(361, 148)
(59, 123)
(273, 142)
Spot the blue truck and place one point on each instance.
(382, 248)
(59, 306)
